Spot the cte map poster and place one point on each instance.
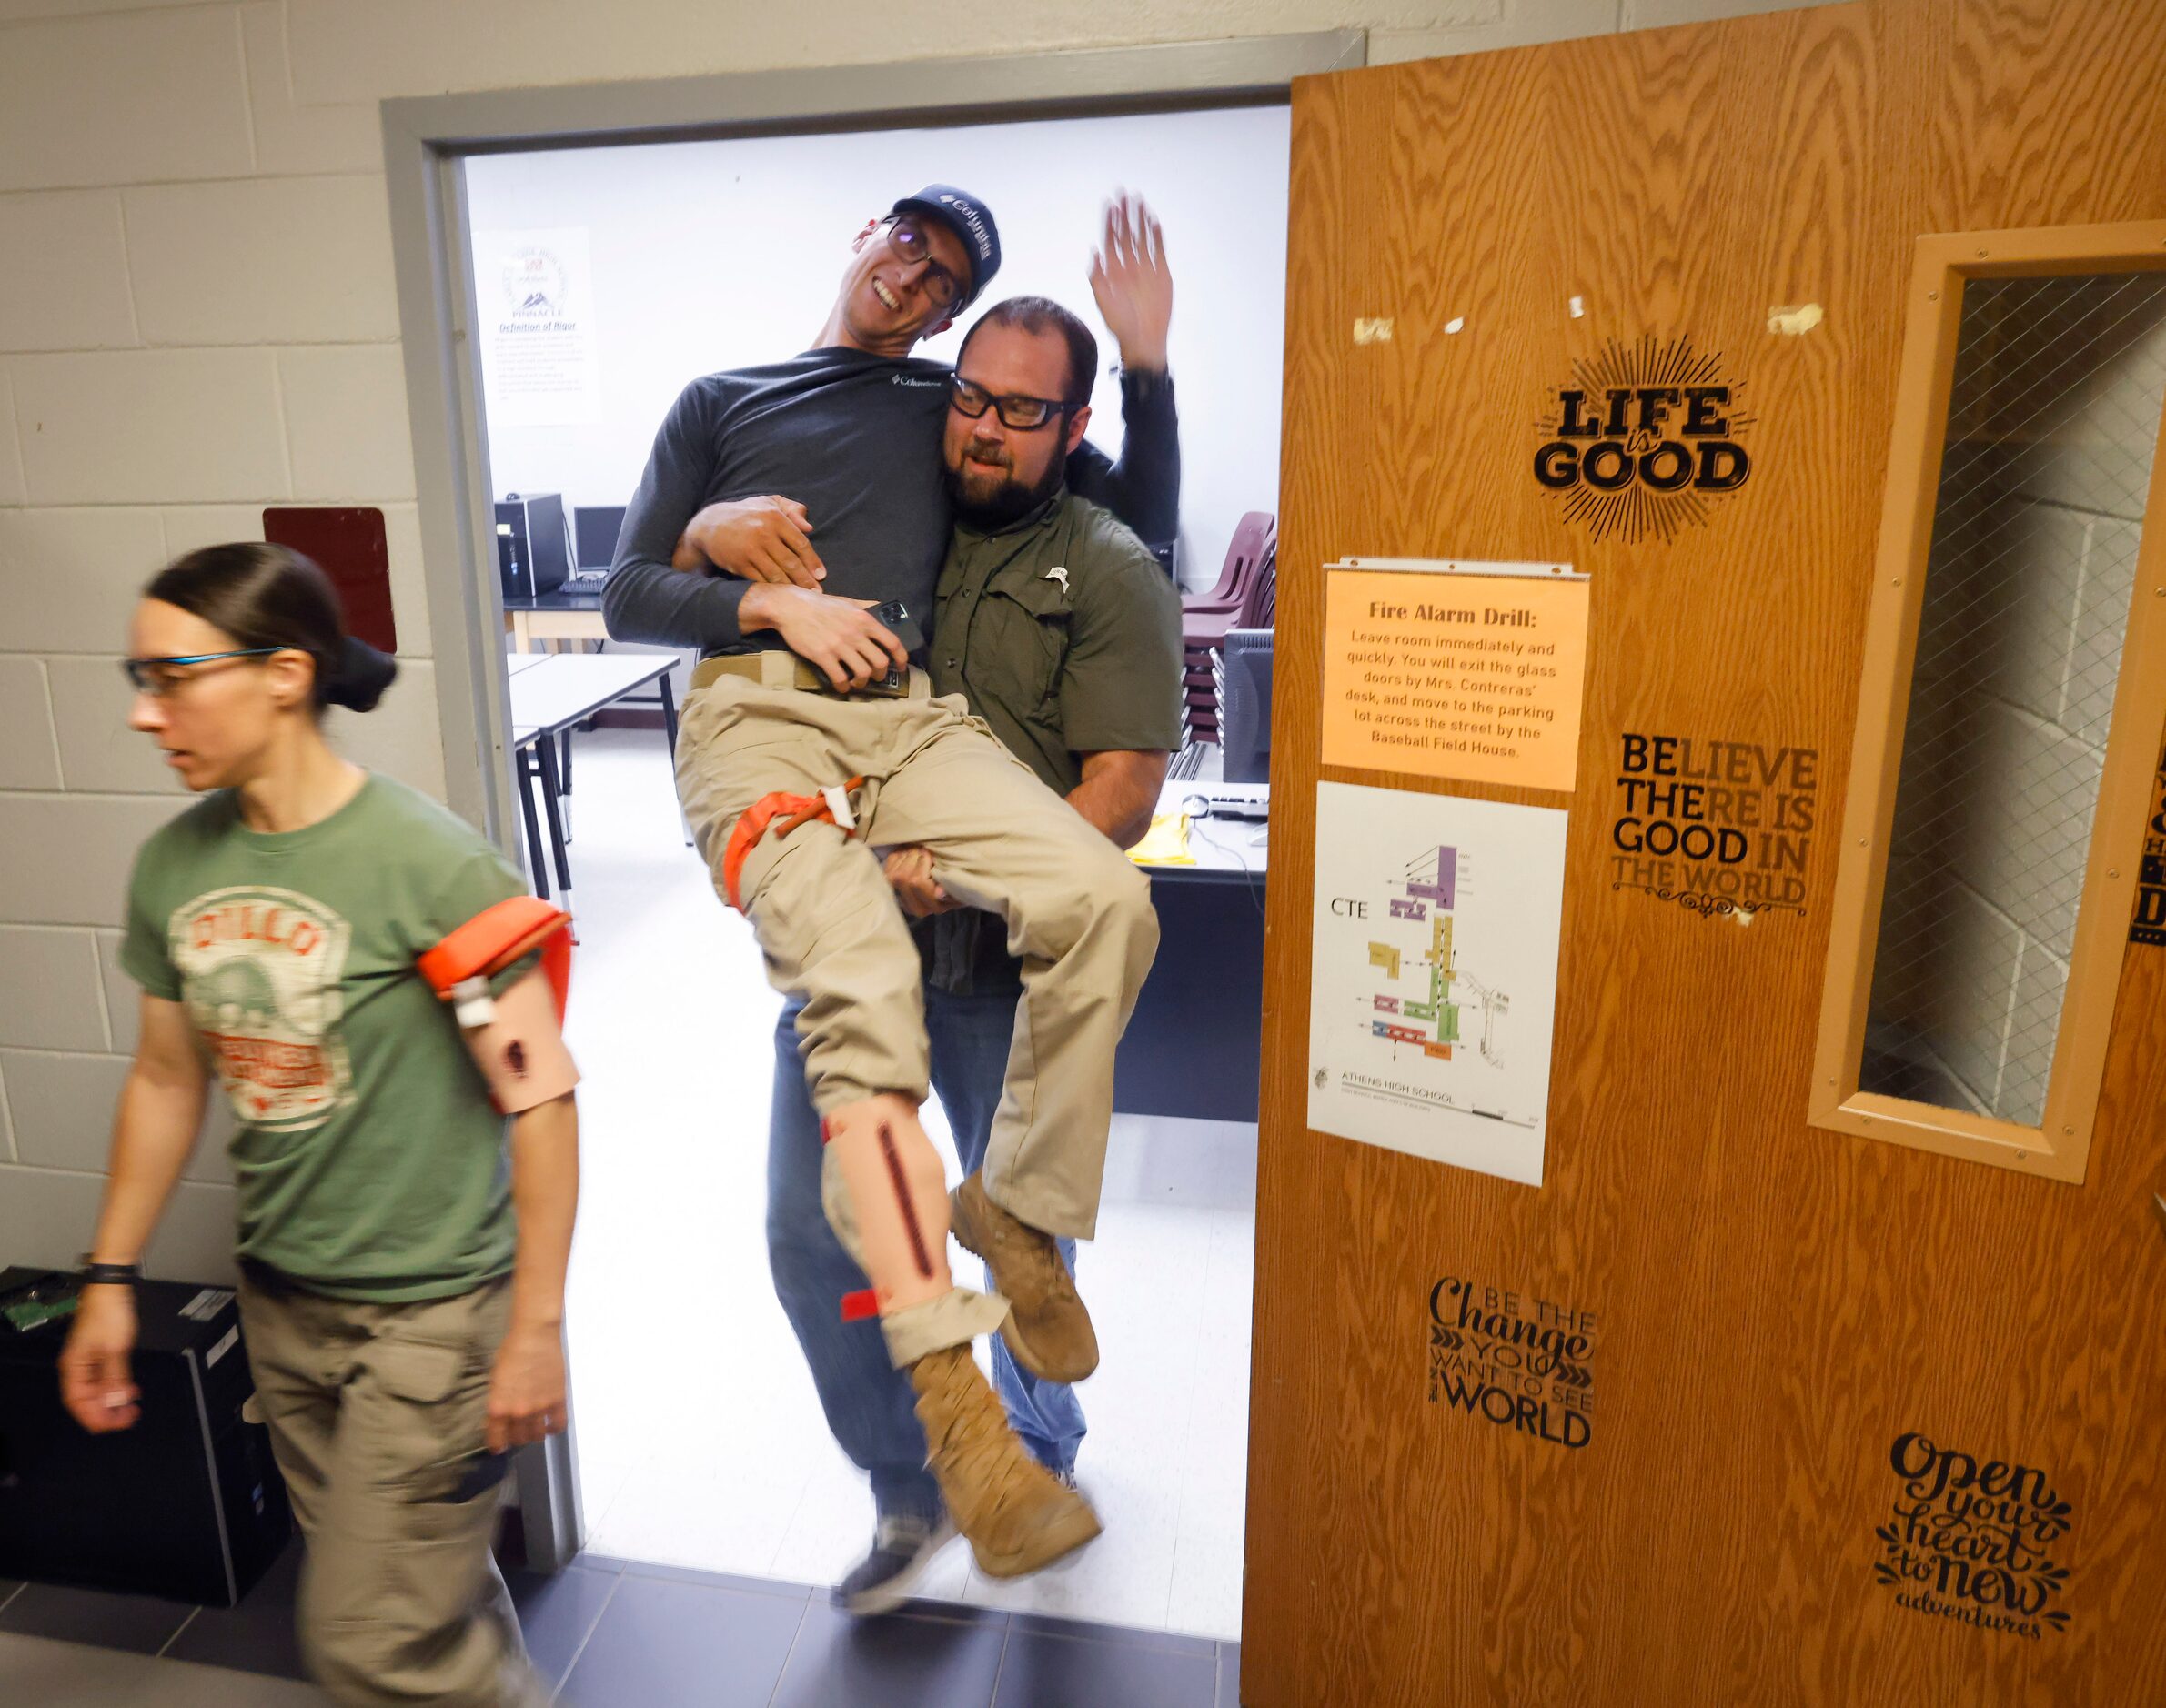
(1433, 981)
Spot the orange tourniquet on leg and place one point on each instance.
(761, 813)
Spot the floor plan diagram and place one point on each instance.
(1433, 1024)
(1435, 974)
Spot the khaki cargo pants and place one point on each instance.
(377, 1415)
(1078, 912)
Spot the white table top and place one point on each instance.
(550, 691)
(1222, 846)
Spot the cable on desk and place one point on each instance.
(1190, 804)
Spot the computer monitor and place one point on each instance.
(597, 526)
(1244, 706)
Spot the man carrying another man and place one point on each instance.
(747, 467)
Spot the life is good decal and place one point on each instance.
(1645, 441)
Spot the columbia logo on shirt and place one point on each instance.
(915, 385)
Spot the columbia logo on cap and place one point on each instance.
(970, 220)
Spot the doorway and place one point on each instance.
(700, 1442)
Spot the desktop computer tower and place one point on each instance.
(187, 1503)
(533, 552)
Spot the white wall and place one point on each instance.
(713, 254)
(198, 317)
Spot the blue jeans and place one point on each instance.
(869, 1404)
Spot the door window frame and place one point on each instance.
(2059, 1147)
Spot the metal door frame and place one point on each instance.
(426, 141)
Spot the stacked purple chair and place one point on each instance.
(1246, 597)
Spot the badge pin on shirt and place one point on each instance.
(1058, 573)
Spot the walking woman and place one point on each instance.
(402, 1259)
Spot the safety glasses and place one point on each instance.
(159, 677)
(1017, 412)
(908, 244)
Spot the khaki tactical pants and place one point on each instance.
(1078, 912)
(377, 1415)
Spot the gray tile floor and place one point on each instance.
(606, 1634)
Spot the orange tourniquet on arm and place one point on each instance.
(517, 1039)
(500, 936)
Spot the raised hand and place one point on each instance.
(1132, 283)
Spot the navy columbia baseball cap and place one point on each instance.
(969, 219)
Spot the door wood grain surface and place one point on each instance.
(1775, 1305)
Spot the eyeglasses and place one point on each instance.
(1017, 412)
(159, 677)
(908, 244)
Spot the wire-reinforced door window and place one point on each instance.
(1971, 970)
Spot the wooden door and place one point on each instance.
(1778, 1312)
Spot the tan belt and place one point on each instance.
(776, 667)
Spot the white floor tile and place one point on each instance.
(719, 1515)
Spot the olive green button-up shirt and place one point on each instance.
(1064, 635)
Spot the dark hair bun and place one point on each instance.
(360, 677)
(270, 599)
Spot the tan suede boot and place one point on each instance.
(1016, 1515)
(1047, 1329)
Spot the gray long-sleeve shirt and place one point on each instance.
(856, 440)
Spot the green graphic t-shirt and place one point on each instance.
(370, 1161)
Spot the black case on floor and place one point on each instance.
(186, 1504)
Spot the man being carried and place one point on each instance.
(809, 739)
(1064, 635)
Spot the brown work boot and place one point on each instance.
(1047, 1328)
(1014, 1511)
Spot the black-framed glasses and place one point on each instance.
(159, 677)
(908, 244)
(1016, 411)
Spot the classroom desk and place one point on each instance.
(565, 614)
(551, 694)
(1194, 1045)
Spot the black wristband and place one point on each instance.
(109, 1274)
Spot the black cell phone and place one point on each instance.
(895, 618)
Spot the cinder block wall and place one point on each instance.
(197, 318)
